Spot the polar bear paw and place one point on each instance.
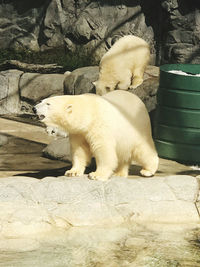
(146, 173)
(100, 176)
(74, 172)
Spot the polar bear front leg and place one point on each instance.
(81, 155)
(106, 161)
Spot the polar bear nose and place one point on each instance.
(34, 110)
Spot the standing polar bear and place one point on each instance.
(123, 66)
(114, 129)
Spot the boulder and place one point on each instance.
(58, 149)
(3, 140)
(9, 92)
(148, 89)
(89, 26)
(80, 81)
(34, 87)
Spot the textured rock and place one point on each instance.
(85, 25)
(80, 81)
(34, 86)
(148, 89)
(9, 93)
(3, 140)
(30, 206)
(181, 32)
(92, 26)
(58, 149)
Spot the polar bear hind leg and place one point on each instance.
(146, 156)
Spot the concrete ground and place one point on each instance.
(23, 154)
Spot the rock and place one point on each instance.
(181, 32)
(3, 140)
(89, 28)
(80, 81)
(30, 206)
(58, 149)
(34, 86)
(9, 93)
(148, 89)
(74, 25)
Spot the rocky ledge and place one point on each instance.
(31, 206)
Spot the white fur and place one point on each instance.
(55, 131)
(115, 129)
(123, 65)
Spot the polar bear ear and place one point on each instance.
(94, 83)
(69, 108)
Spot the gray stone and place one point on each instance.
(58, 149)
(181, 32)
(9, 93)
(3, 140)
(84, 25)
(148, 89)
(80, 81)
(34, 86)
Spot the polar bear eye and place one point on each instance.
(47, 104)
(107, 88)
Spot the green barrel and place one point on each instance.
(177, 120)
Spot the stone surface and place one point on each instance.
(35, 87)
(180, 36)
(58, 149)
(3, 140)
(90, 27)
(9, 93)
(30, 206)
(80, 81)
(148, 89)
(81, 25)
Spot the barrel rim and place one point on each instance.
(190, 68)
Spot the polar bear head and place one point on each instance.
(104, 87)
(55, 111)
(64, 112)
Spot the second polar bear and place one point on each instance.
(123, 66)
(114, 129)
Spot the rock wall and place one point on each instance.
(171, 27)
(181, 31)
(92, 25)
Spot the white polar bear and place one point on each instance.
(114, 129)
(123, 66)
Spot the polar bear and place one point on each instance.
(123, 66)
(114, 129)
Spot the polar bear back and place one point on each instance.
(127, 50)
(131, 109)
